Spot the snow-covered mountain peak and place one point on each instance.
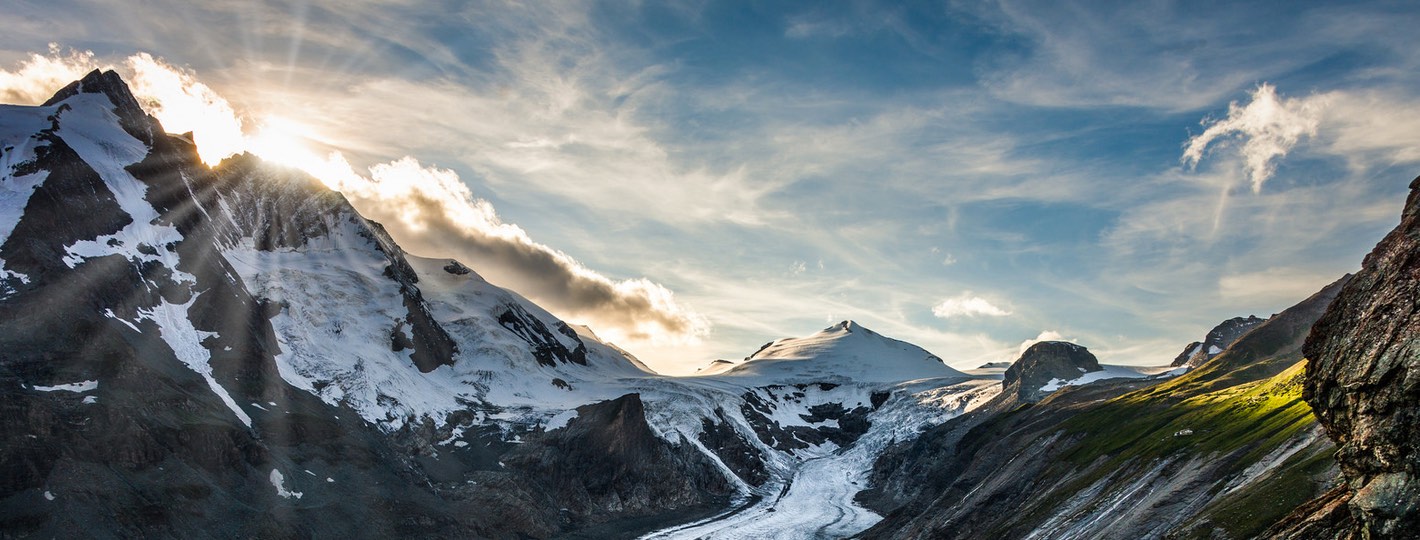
(108, 83)
(846, 325)
(844, 352)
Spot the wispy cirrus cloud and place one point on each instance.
(1169, 55)
(1277, 284)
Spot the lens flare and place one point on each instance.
(283, 141)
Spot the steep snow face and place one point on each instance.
(349, 304)
(19, 127)
(337, 321)
(844, 352)
(340, 319)
(88, 126)
(465, 299)
(500, 334)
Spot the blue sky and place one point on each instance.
(709, 176)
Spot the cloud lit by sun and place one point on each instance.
(182, 104)
(429, 209)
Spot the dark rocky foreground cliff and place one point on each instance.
(1363, 360)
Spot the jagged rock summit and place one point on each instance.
(130, 113)
(1218, 339)
(844, 352)
(1045, 366)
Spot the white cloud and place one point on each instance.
(430, 210)
(1045, 335)
(40, 76)
(181, 103)
(1190, 228)
(1267, 127)
(968, 305)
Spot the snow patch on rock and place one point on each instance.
(186, 343)
(1109, 372)
(78, 387)
(278, 480)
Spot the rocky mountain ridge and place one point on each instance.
(1196, 353)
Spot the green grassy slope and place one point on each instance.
(1258, 414)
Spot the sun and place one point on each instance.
(287, 142)
(283, 141)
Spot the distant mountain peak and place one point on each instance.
(1217, 340)
(845, 351)
(1044, 362)
(846, 325)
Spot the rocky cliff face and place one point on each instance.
(1045, 362)
(1363, 380)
